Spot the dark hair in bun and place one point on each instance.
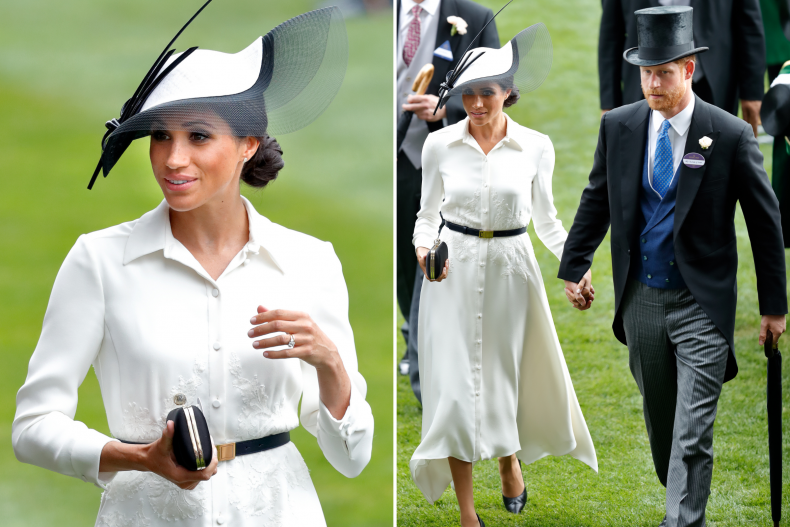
(507, 84)
(265, 163)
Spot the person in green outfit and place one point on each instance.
(777, 52)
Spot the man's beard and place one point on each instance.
(670, 98)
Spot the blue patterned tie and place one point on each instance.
(662, 161)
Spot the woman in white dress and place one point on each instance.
(494, 380)
(205, 302)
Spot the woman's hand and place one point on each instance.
(581, 295)
(422, 254)
(160, 459)
(157, 457)
(310, 345)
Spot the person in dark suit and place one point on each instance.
(667, 174)
(426, 38)
(733, 69)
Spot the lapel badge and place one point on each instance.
(694, 160)
(705, 142)
(444, 51)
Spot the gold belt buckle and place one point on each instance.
(226, 452)
(485, 234)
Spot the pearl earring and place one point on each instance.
(245, 160)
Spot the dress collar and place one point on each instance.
(680, 123)
(513, 135)
(152, 233)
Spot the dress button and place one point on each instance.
(216, 403)
(644, 257)
(220, 519)
(180, 399)
(666, 280)
(485, 211)
(480, 290)
(479, 341)
(215, 292)
(671, 263)
(478, 366)
(650, 276)
(477, 393)
(217, 346)
(479, 315)
(482, 264)
(644, 241)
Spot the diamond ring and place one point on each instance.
(291, 343)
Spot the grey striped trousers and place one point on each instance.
(677, 357)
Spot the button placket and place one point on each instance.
(215, 412)
(476, 359)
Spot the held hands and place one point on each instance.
(422, 254)
(310, 343)
(423, 107)
(581, 295)
(159, 458)
(773, 323)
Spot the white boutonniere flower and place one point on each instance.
(459, 25)
(705, 142)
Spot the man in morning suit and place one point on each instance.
(667, 174)
(425, 36)
(733, 69)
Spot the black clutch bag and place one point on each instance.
(191, 440)
(436, 259)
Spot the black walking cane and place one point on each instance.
(774, 393)
(421, 83)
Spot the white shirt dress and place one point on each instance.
(493, 377)
(133, 302)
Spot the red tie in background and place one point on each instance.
(412, 36)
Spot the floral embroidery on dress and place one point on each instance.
(139, 425)
(463, 248)
(116, 519)
(187, 387)
(171, 502)
(124, 486)
(259, 417)
(510, 253)
(263, 484)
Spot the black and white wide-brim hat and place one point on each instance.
(775, 110)
(280, 83)
(523, 62)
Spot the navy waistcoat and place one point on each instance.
(657, 266)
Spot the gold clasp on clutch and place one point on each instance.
(485, 234)
(226, 452)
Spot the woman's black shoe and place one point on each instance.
(515, 505)
(481, 521)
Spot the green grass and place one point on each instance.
(625, 492)
(65, 68)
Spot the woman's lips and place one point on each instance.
(477, 114)
(179, 182)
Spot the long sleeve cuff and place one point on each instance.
(347, 443)
(423, 240)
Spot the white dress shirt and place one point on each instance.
(678, 133)
(133, 302)
(429, 14)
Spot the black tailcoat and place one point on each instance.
(704, 228)
(734, 65)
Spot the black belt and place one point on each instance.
(483, 234)
(229, 451)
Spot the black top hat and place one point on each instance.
(665, 34)
(775, 111)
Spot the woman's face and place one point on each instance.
(198, 163)
(483, 104)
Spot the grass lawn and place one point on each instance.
(66, 68)
(625, 492)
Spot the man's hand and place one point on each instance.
(423, 107)
(581, 295)
(750, 110)
(773, 323)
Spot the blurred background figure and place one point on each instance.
(776, 22)
(732, 70)
(424, 35)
